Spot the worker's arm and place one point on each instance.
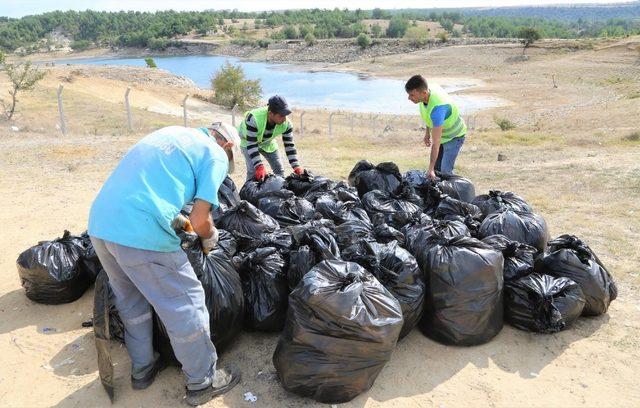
(252, 140)
(427, 138)
(436, 135)
(290, 149)
(202, 224)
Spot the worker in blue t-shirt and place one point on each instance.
(446, 130)
(131, 225)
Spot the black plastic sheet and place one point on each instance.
(265, 288)
(568, 256)
(89, 258)
(365, 176)
(398, 271)
(542, 303)
(519, 226)
(497, 200)
(286, 208)
(518, 257)
(53, 272)
(253, 190)
(341, 329)
(246, 221)
(463, 302)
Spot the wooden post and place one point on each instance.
(301, 124)
(63, 125)
(330, 120)
(128, 107)
(184, 109)
(353, 118)
(233, 114)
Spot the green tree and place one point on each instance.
(232, 88)
(290, 32)
(310, 39)
(22, 77)
(363, 40)
(397, 27)
(376, 30)
(528, 36)
(150, 63)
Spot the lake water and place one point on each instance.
(305, 89)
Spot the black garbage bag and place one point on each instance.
(396, 212)
(398, 271)
(246, 221)
(451, 209)
(53, 272)
(518, 257)
(456, 186)
(301, 261)
(107, 325)
(542, 303)
(227, 242)
(407, 192)
(341, 329)
(418, 236)
(338, 211)
(569, 257)
(366, 176)
(497, 200)
(265, 288)
(253, 190)
(228, 197)
(339, 192)
(279, 239)
(300, 184)
(351, 232)
(90, 259)
(319, 236)
(385, 233)
(286, 208)
(222, 292)
(463, 302)
(525, 227)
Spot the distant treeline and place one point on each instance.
(157, 30)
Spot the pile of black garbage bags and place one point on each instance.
(344, 270)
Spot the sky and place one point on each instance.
(19, 8)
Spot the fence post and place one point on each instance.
(373, 125)
(233, 114)
(184, 109)
(330, 120)
(301, 124)
(353, 118)
(63, 125)
(128, 107)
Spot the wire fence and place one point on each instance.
(306, 122)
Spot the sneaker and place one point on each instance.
(147, 380)
(226, 378)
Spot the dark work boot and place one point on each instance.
(225, 379)
(147, 379)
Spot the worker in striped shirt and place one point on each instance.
(258, 132)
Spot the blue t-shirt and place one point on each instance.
(155, 179)
(439, 114)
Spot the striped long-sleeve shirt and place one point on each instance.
(252, 142)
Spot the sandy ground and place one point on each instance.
(568, 157)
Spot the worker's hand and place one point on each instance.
(209, 243)
(431, 175)
(427, 140)
(298, 170)
(260, 173)
(181, 223)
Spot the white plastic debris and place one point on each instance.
(15, 128)
(248, 396)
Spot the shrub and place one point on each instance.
(231, 88)
(442, 36)
(310, 39)
(363, 40)
(80, 45)
(504, 124)
(150, 63)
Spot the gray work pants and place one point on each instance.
(272, 158)
(143, 279)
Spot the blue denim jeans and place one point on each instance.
(272, 158)
(142, 279)
(448, 154)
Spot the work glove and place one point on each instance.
(181, 223)
(209, 243)
(298, 170)
(260, 173)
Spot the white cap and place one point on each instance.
(230, 133)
